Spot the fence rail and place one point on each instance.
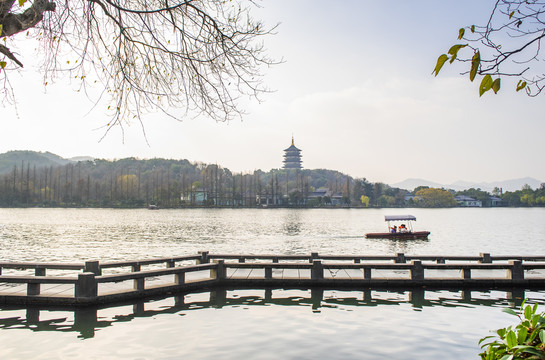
(205, 270)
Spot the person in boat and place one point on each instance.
(403, 228)
(393, 229)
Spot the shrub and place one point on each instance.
(525, 340)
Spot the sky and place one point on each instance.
(355, 90)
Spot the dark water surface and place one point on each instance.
(263, 324)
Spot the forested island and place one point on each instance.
(31, 179)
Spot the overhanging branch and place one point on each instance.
(4, 50)
(15, 23)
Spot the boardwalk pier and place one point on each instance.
(94, 282)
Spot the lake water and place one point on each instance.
(274, 324)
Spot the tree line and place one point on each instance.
(134, 183)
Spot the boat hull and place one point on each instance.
(399, 235)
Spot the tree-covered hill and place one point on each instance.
(41, 159)
(44, 179)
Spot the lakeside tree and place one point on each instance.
(432, 197)
(181, 57)
(508, 44)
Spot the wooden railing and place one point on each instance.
(266, 271)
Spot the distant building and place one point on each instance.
(466, 201)
(292, 157)
(495, 201)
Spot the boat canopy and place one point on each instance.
(399, 217)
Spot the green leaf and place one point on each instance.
(510, 311)
(454, 51)
(1, 29)
(486, 338)
(22, 3)
(542, 336)
(533, 351)
(475, 62)
(528, 312)
(522, 334)
(507, 357)
(461, 33)
(511, 339)
(521, 85)
(440, 62)
(496, 85)
(534, 320)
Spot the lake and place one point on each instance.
(263, 324)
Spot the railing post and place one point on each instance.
(516, 272)
(93, 267)
(317, 271)
(179, 278)
(466, 273)
(268, 272)
(139, 284)
(400, 258)
(367, 273)
(313, 256)
(170, 263)
(417, 271)
(242, 260)
(485, 258)
(33, 288)
(219, 273)
(204, 258)
(441, 260)
(39, 271)
(357, 261)
(86, 286)
(275, 260)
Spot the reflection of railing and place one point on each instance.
(87, 320)
(332, 271)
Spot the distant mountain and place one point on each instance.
(16, 158)
(411, 184)
(81, 158)
(506, 185)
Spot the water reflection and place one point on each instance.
(292, 223)
(87, 321)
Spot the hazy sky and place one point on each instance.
(356, 91)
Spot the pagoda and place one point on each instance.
(292, 157)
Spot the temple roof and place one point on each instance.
(292, 147)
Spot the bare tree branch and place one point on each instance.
(184, 57)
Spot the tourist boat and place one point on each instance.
(406, 234)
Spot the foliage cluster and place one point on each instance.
(507, 45)
(525, 340)
(526, 197)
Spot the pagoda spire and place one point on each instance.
(292, 156)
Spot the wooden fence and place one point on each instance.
(84, 281)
